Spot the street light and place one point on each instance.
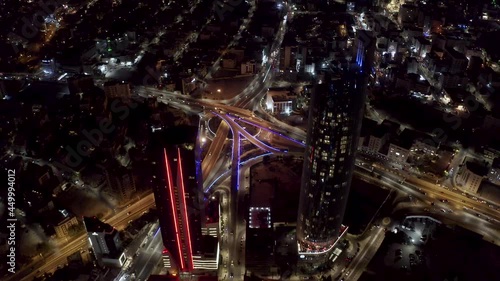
(218, 90)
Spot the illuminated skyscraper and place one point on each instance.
(334, 123)
(365, 50)
(177, 190)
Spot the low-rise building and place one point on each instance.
(117, 90)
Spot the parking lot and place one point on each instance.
(410, 236)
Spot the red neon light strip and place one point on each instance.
(174, 211)
(183, 194)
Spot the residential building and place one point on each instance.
(176, 176)
(105, 242)
(494, 175)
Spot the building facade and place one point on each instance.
(105, 242)
(334, 125)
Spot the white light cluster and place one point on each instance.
(252, 209)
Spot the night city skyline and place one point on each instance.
(334, 127)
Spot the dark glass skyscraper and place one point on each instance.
(335, 116)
